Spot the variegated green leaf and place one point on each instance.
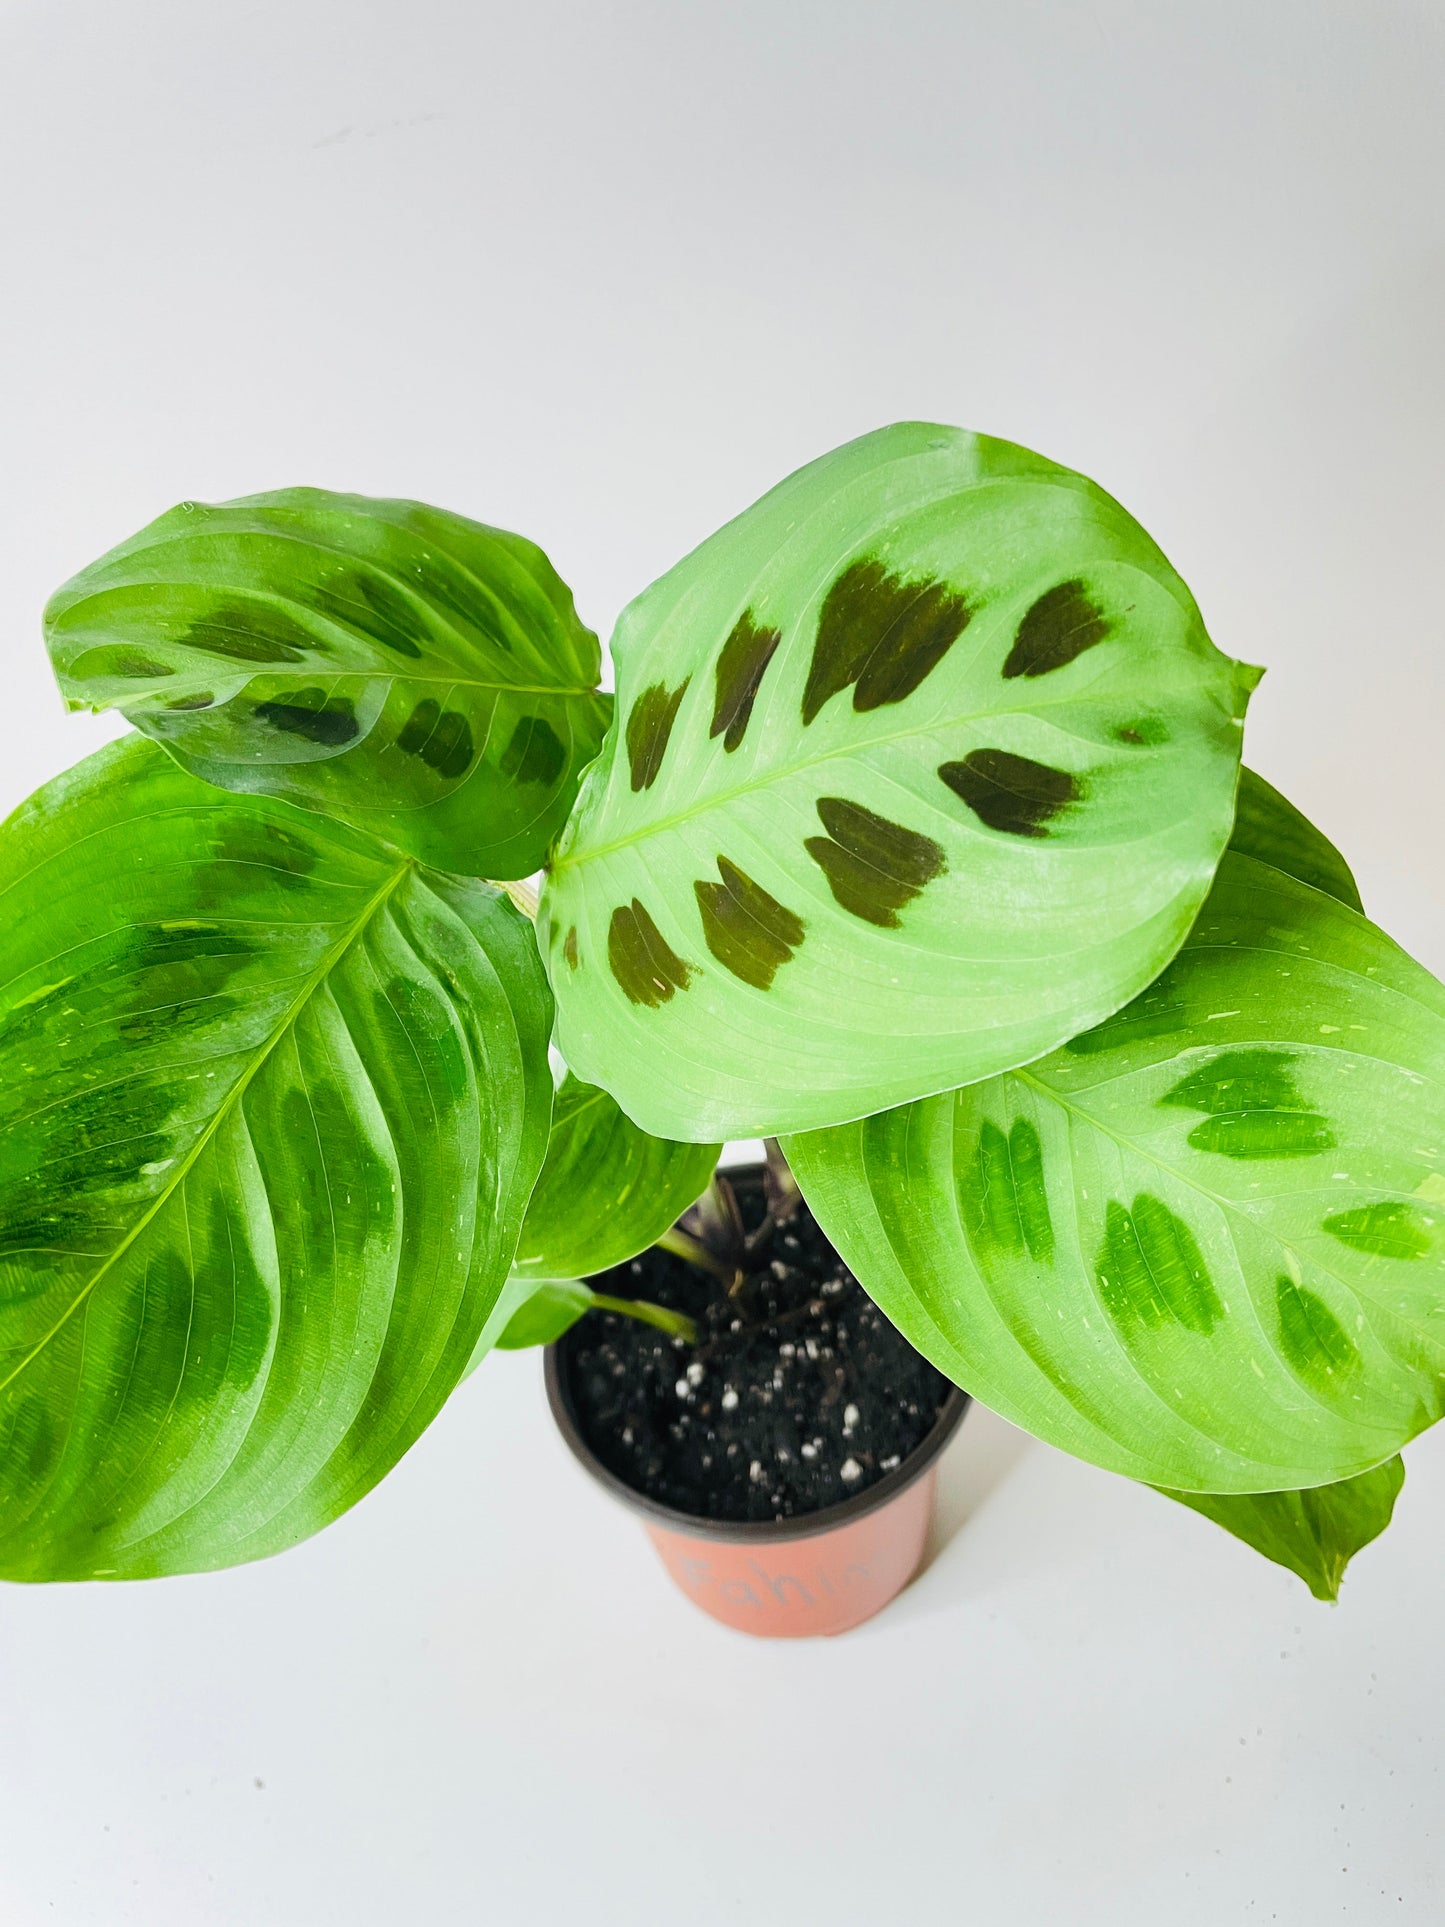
(1203, 1244)
(272, 1101)
(919, 767)
(1314, 1533)
(414, 673)
(607, 1190)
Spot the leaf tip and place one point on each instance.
(1247, 678)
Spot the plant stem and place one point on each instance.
(675, 1323)
(523, 895)
(694, 1252)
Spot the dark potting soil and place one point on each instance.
(798, 1394)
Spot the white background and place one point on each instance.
(603, 272)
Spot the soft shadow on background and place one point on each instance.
(972, 1472)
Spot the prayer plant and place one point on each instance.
(917, 839)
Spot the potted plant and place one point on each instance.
(916, 842)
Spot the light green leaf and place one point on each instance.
(1268, 826)
(537, 1311)
(920, 766)
(272, 1101)
(414, 673)
(607, 1190)
(1315, 1533)
(510, 1300)
(1204, 1244)
(551, 1307)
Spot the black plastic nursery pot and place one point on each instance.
(738, 1454)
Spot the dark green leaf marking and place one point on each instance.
(1002, 1195)
(873, 866)
(128, 988)
(435, 578)
(247, 630)
(122, 661)
(321, 1120)
(1009, 792)
(91, 1142)
(534, 752)
(1389, 1229)
(882, 635)
(643, 962)
(648, 728)
(228, 1333)
(315, 715)
(412, 1010)
(370, 605)
(1253, 1109)
(1314, 1341)
(1059, 627)
(745, 656)
(747, 930)
(1151, 1271)
(271, 846)
(569, 948)
(442, 738)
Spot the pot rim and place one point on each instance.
(807, 1525)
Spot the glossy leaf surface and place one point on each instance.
(409, 671)
(1204, 1244)
(919, 767)
(607, 1190)
(1314, 1533)
(273, 1101)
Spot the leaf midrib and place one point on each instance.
(223, 1110)
(720, 798)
